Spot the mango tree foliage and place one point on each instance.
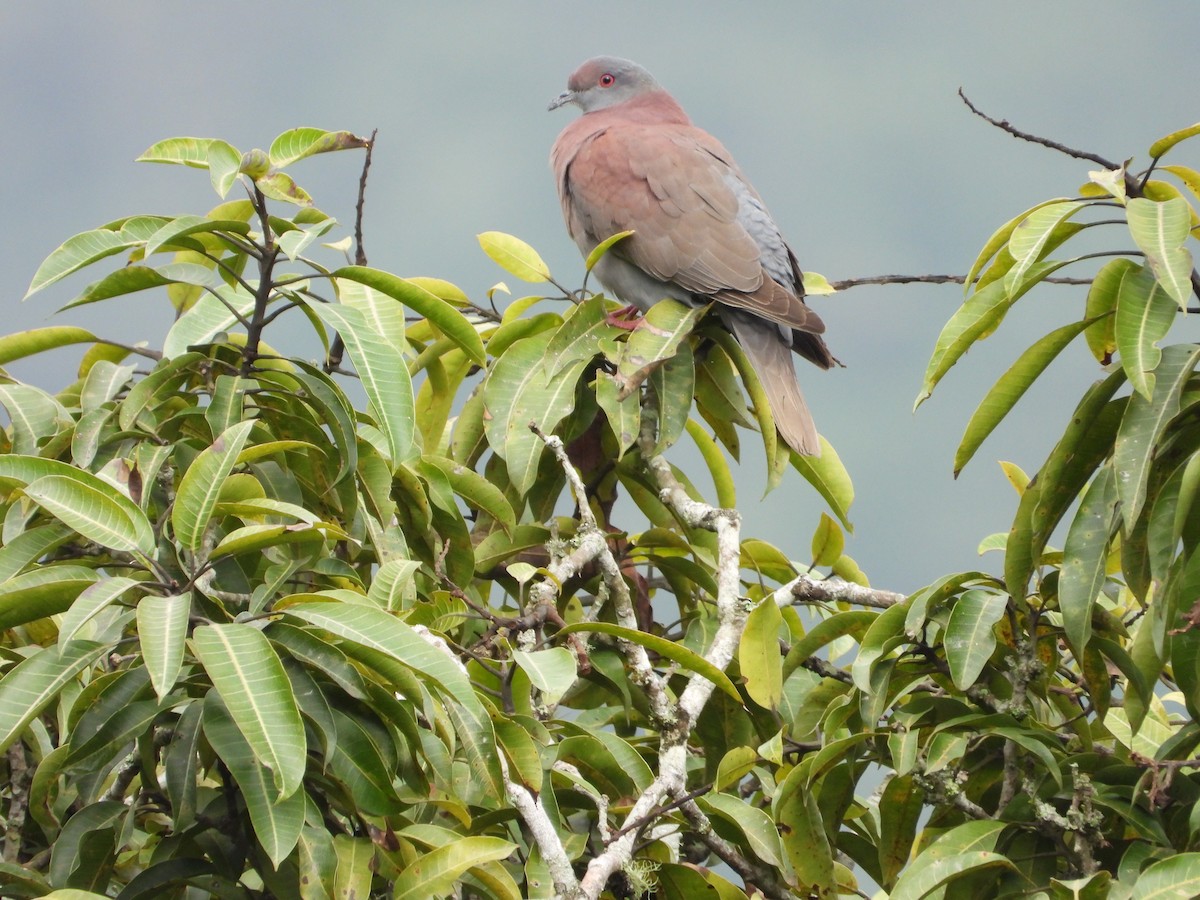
(438, 615)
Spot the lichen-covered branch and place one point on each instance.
(804, 588)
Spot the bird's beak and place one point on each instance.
(562, 100)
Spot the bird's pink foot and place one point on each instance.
(627, 317)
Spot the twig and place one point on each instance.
(1134, 187)
(337, 347)
(19, 780)
(262, 295)
(1004, 125)
(360, 254)
(846, 283)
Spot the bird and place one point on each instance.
(701, 233)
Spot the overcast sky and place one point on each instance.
(844, 115)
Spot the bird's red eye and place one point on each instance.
(606, 80)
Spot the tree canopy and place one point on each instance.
(438, 615)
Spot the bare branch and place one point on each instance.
(847, 283)
(1004, 125)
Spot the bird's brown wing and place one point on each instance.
(671, 184)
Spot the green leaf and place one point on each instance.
(759, 659)
(963, 848)
(1101, 335)
(477, 491)
(583, 328)
(1144, 315)
(828, 542)
(1084, 556)
(21, 344)
(281, 186)
(248, 675)
(206, 318)
(35, 416)
(900, 808)
(201, 485)
(97, 514)
(45, 591)
(277, 819)
(802, 832)
(997, 241)
(1144, 423)
(162, 632)
(830, 479)
(659, 336)
(551, 671)
(353, 876)
(1031, 236)
(977, 318)
(884, 634)
(1175, 876)
(716, 463)
(379, 631)
(601, 248)
(441, 314)
(364, 761)
(1163, 144)
(674, 385)
(514, 256)
(518, 392)
(671, 650)
(185, 151)
(166, 378)
(224, 163)
(75, 253)
(1010, 387)
(299, 143)
(90, 601)
(761, 834)
(437, 872)
(624, 414)
(383, 374)
(1160, 230)
(969, 639)
(31, 685)
(175, 229)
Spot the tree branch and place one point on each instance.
(804, 588)
(1004, 125)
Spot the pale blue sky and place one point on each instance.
(844, 115)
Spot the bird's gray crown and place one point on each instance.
(605, 81)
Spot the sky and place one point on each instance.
(844, 115)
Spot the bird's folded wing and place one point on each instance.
(672, 186)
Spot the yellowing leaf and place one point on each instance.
(514, 256)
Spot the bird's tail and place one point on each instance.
(771, 358)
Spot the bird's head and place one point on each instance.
(605, 81)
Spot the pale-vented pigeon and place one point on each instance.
(634, 161)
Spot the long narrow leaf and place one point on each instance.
(247, 673)
(448, 320)
(1010, 387)
(378, 631)
(201, 485)
(30, 686)
(94, 513)
(667, 649)
(162, 631)
(1144, 422)
(1160, 230)
(383, 374)
(277, 820)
